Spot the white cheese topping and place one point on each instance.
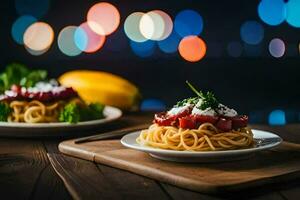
(10, 93)
(197, 111)
(207, 111)
(221, 110)
(52, 86)
(224, 110)
(177, 110)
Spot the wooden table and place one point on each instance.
(27, 172)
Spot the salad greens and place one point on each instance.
(19, 74)
(5, 110)
(74, 113)
(208, 99)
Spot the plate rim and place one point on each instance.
(14, 125)
(170, 153)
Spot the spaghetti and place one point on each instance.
(206, 138)
(38, 112)
(34, 111)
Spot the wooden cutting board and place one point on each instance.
(268, 167)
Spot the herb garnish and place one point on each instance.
(192, 100)
(208, 99)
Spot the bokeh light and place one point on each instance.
(143, 49)
(293, 13)
(156, 25)
(272, 12)
(277, 117)
(170, 44)
(87, 40)
(103, 18)
(252, 32)
(188, 22)
(36, 8)
(36, 53)
(153, 105)
(277, 48)
(192, 48)
(234, 49)
(38, 36)
(66, 41)
(168, 24)
(152, 26)
(19, 27)
(132, 27)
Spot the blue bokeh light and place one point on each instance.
(252, 32)
(153, 105)
(293, 13)
(188, 22)
(170, 44)
(143, 49)
(272, 12)
(36, 8)
(81, 38)
(277, 117)
(19, 27)
(234, 49)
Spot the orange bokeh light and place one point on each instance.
(192, 48)
(103, 18)
(38, 36)
(94, 41)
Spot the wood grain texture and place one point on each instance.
(267, 167)
(132, 186)
(82, 178)
(86, 180)
(177, 193)
(50, 186)
(25, 171)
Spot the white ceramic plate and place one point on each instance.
(57, 129)
(211, 156)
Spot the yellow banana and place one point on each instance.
(102, 87)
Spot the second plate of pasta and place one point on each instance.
(57, 129)
(263, 140)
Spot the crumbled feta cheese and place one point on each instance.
(52, 86)
(177, 110)
(10, 93)
(225, 111)
(207, 111)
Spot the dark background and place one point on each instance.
(253, 83)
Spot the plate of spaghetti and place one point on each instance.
(34, 106)
(200, 129)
